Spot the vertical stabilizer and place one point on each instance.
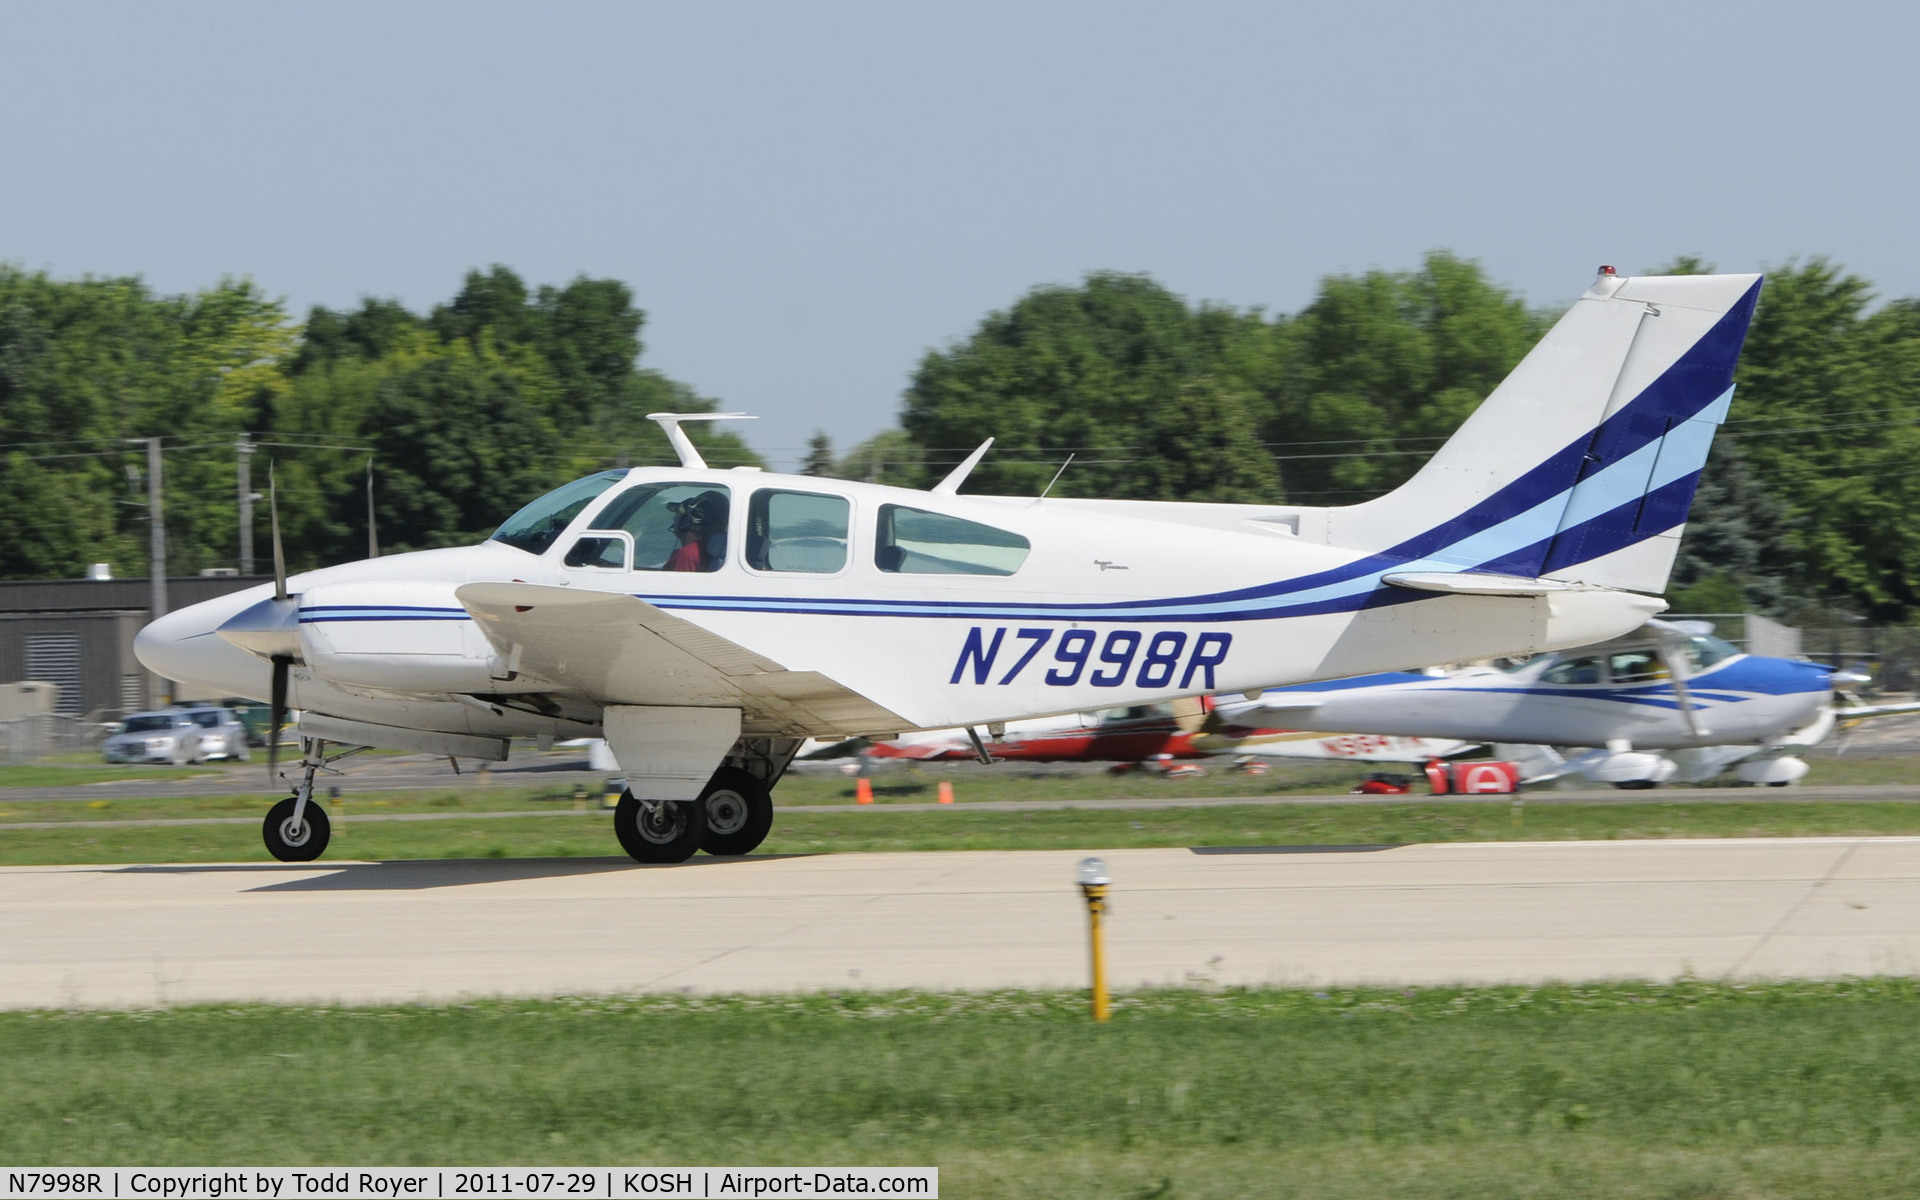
(1582, 464)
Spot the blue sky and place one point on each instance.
(806, 198)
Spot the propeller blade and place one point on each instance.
(278, 720)
(279, 553)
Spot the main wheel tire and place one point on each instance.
(739, 810)
(290, 843)
(1634, 785)
(667, 832)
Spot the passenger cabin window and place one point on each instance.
(914, 542)
(1637, 666)
(536, 527)
(1577, 670)
(674, 527)
(797, 531)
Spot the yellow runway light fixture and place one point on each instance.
(1093, 880)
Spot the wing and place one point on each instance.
(1860, 712)
(1277, 711)
(618, 649)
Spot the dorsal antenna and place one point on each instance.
(1056, 478)
(682, 445)
(951, 484)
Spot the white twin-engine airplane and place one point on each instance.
(706, 621)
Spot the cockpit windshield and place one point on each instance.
(535, 527)
(1704, 650)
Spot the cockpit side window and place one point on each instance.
(675, 526)
(1576, 670)
(1637, 666)
(536, 527)
(915, 542)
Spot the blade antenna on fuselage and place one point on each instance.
(950, 486)
(683, 445)
(1056, 477)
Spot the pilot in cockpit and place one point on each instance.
(700, 524)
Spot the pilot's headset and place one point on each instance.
(685, 514)
(709, 510)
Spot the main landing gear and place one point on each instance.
(732, 816)
(739, 812)
(297, 828)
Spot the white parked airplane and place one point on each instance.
(1667, 702)
(705, 621)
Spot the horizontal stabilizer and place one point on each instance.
(1476, 583)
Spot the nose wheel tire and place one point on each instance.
(663, 831)
(739, 812)
(296, 843)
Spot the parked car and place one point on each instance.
(170, 737)
(222, 733)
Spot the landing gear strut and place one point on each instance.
(297, 829)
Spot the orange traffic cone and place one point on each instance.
(946, 791)
(862, 791)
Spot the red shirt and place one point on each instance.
(686, 558)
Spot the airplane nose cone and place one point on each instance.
(165, 646)
(186, 646)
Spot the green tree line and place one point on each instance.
(473, 407)
(1809, 501)
(465, 413)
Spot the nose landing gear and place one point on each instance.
(295, 832)
(297, 828)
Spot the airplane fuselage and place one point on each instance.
(1099, 610)
(1745, 699)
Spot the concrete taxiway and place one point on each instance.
(1485, 913)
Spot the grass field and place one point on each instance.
(589, 833)
(817, 784)
(1685, 1090)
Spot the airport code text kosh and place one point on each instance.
(396, 1183)
(1165, 658)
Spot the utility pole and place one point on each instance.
(156, 534)
(244, 449)
(373, 527)
(158, 687)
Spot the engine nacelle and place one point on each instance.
(400, 638)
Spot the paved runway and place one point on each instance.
(1519, 912)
